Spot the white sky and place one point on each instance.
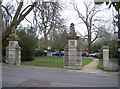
(71, 15)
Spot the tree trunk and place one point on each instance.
(18, 17)
(89, 47)
(45, 39)
(89, 40)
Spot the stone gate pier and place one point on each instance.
(110, 64)
(72, 58)
(13, 50)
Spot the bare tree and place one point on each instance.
(20, 15)
(7, 11)
(89, 20)
(59, 38)
(105, 34)
(47, 18)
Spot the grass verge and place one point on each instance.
(53, 61)
(100, 65)
(86, 61)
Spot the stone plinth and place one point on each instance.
(13, 50)
(72, 58)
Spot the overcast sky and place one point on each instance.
(69, 13)
(106, 14)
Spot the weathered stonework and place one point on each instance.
(13, 50)
(72, 58)
(109, 63)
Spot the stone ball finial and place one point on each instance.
(72, 24)
(72, 28)
(13, 30)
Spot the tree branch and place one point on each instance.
(94, 39)
(28, 21)
(17, 12)
(26, 13)
(7, 11)
(79, 14)
(17, 20)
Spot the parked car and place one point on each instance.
(58, 53)
(97, 54)
(85, 54)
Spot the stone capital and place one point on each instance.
(105, 47)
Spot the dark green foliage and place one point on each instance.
(112, 44)
(115, 4)
(28, 43)
(39, 51)
(113, 49)
(4, 45)
(27, 54)
(96, 47)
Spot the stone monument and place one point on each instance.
(13, 50)
(72, 58)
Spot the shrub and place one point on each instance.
(39, 52)
(4, 45)
(27, 54)
(28, 43)
(112, 44)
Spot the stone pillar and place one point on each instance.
(72, 58)
(106, 57)
(13, 50)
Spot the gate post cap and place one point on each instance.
(105, 47)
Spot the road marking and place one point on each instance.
(103, 75)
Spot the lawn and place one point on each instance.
(85, 61)
(56, 62)
(46, 62)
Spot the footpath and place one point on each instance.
(92, 65)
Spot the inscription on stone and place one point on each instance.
(72, 43)
(11, 43)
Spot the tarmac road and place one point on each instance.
(17, 76)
